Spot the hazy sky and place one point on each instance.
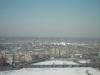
(50, 18)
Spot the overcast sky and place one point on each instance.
(50, 18)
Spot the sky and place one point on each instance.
(50, 18)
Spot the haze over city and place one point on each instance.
(49, 37)
(50, 18)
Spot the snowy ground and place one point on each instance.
(84, 61)
(52, 71)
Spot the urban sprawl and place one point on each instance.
(18, 54)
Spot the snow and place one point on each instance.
(84, 61)
(52, 71)
(59, 43)
(56, 62)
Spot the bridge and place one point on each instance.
(56, 63)
(49, 63)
